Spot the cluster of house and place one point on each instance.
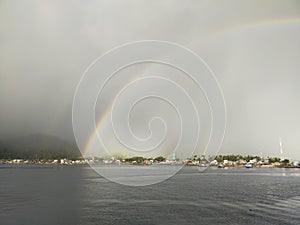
(141, 162)
(55, 161)
(188, 162)
(255, 163)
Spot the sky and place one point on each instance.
(253, 48)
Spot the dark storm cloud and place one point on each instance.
(253, 49)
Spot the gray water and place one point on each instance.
(46, 194)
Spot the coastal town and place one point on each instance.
(220, 161)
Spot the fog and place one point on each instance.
(253, 48)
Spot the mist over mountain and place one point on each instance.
(254, 53)
(37, 146)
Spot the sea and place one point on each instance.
(64, 194)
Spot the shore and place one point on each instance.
(86, 162)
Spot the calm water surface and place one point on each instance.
(41, 194)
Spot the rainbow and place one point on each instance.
(252, 25)
(97, 129)
(103, 119)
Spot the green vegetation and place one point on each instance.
(160, 159)
(137, 159)
(273, 160)
(140, 159)
(233, 158)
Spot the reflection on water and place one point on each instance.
(38, 195)
(77, 195)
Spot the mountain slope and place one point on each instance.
(37, 146)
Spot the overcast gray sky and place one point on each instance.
(252, 46)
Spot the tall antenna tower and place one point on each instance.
(281, 149)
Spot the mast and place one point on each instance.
(281, 149)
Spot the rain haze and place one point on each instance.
(253, 48)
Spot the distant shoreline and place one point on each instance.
(220, 161)
(142, 165)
